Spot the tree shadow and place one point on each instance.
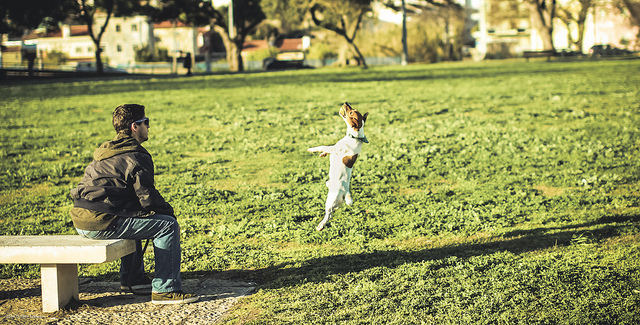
(600, 221)
(209, 288)
(516, 242)
(174, 82)
(31, 291)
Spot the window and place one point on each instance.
(119, 48)
(118, 28)
(78, 49)
(134, 27)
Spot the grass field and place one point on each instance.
(490, 193)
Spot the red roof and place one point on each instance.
(169, 24)
(76, 30)
(79, 30)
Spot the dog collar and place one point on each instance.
(363, 139)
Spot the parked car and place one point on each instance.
(91, 67)
(285, 60)
(607, 49)
(567, 52)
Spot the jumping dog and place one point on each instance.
(343, 156)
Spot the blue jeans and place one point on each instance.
(165, 232)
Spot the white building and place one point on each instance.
(505, 25)
(121, 39)
(604, 25)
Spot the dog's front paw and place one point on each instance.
(314, 150)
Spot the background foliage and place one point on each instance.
(495, 192)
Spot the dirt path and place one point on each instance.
(104, 303)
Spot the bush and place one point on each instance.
(426, 40)
(321, 51)
(158, 54)
(260, 55)
(55, 57)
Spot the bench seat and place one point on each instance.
(59, 256)
(539, 54)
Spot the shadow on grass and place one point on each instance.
(517, 242)
(129, 83)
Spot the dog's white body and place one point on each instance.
(343, 155)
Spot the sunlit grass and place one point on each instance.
(491, 193)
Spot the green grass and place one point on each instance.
(491, 193)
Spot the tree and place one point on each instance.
(86, 11)
(186, 11)
(633, 8)
(247, 14)
(542, 14)
(405, 49)
(286, 15)
(575, 12)
(18, 15)
(417, 6)
(343, 17)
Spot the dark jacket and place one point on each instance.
(118, 183)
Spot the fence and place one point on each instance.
(163, 68)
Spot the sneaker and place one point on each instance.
(169, 298)
(143, 287)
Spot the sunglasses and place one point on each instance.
(142, 120)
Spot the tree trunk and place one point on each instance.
(351, 39)
(234, 56)
(99, 65)
(361, 60)
(405, 51)
(88, 17)
(234, 51)
(343, 55)
(580, 35)
(542, 14)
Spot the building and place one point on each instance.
(509, 31)
(123, 36)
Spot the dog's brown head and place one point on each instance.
(352, 117)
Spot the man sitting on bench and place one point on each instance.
(117, 199)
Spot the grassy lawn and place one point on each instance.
(490, 193)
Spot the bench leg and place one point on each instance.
(59, 285)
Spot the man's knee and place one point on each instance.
(169, 221)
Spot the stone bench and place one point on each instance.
(59, 256)
(538, 54)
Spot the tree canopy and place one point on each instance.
(18, 15)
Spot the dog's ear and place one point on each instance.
(364, 117)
